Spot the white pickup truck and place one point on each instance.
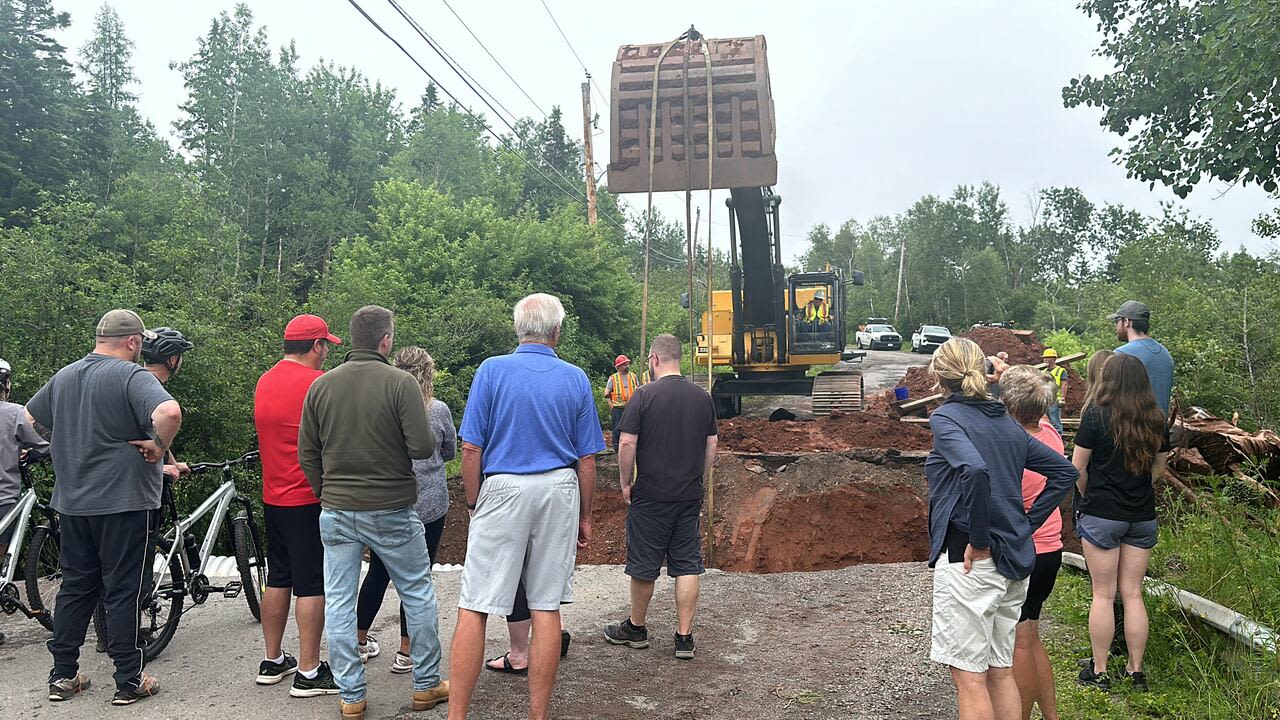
(929, 338)
(878, 337)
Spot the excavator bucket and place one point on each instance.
(743, 111)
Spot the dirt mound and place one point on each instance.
(881, 403)
(819, 511)
(919, 383)
(1024, 347)
(838, 431)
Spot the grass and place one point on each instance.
(1195, 671)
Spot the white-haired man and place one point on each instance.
(531, 432)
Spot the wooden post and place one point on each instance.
(902, 263)
(587, 159)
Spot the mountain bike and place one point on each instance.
(41, 574)
(178, 567)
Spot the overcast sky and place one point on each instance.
(878, 103)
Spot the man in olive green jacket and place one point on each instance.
(363, 424)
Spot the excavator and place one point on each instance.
(768, 331)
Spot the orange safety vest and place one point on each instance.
(623, 389)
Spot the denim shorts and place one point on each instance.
(1111, 534)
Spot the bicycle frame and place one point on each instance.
(218, 503)
(19, 517)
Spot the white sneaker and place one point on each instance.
(368, 650)
(403, 664)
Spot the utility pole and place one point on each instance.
(587, 159)
(902, 263)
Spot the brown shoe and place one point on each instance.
(352, 711)
(427, 699)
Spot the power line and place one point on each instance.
(478, 118)
(457, 68)
(461, 73)
(494, 59)
(590, 79)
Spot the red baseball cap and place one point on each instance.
(309, 327)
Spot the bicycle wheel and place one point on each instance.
(250, 562)
(160, 605)
(43, 574)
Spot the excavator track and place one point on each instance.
(837, 390)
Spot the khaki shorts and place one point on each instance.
(525, 526)
(975, 615)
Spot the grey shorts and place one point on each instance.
(664, 531)
(1111, 534)
(524, 526)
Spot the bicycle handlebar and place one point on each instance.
(225, 464)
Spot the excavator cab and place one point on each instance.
(815, 314)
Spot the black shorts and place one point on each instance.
(295, 554)
(657, 531)
(1043, 575)
(7, 534)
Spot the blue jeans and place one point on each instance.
(397, 537)
(1055, 417)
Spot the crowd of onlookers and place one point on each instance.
(353, 462)
(997, 476)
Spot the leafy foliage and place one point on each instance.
(1193, 92)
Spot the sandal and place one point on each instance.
(506, 666)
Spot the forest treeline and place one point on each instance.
(283, 189)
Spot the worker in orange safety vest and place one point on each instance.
(619, 389)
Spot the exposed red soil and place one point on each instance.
(838, 431)
(1023, 349)
(919, 383)
(815, 512)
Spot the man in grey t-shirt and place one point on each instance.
(111, 424)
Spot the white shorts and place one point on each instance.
(975, 615)
(525, 526)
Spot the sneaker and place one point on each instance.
(685, 646)
(369, 649)
(352, 711)
(403, 664)
(427, 699)
(67, 688)
(1089, 678)
(1137, 678)
(321, 684)
(147, 686)
(270, 673)
(624, 633)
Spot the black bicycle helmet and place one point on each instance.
(167, 343)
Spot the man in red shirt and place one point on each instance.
(295, 554)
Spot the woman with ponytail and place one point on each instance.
(980, 535)
(1119, 452)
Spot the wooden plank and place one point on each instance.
(913, 404)
(915, 420)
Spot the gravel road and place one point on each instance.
(848, 644)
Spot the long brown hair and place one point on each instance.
(958, 367)
(1093, 374)
(1137, 423)
(419, 363)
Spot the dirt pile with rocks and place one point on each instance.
(837, 431)
(799, 512)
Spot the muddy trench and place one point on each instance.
(774, 512)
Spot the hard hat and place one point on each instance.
(820, 295)
(621, 360)
(1049, 353)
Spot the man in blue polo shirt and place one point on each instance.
(530, 432)
(1133, 322)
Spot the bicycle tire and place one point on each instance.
(155, 627)
(250, 562)
(43, 574)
